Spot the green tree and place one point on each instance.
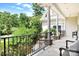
(14, 20)
(36, 23)
(7, 21)
(38, 10)
(24, 20)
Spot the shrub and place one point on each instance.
(46, 32)
(36, 23)
(32, 32)
(33, 36)
(51, 30)
(20, 31)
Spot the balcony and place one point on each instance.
(24, 46)
(21, 45)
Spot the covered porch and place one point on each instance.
(64, 15)
(70, 14)
(61, 14)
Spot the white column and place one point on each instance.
(65, 24)
(78, 25)
(57, 25)
(49, 36)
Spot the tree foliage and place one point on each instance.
(36, 23)
(7, 21)
(38, 10)
(24, 20)
(24, 24)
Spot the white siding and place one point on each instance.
(53, 22)
(71, 25)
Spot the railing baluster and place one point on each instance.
(33, 49)
(23, 45)
(20, 46)
(26, 45)
(13, 46)
(4, 47)
(8, 46)
(17, 46)
(29, 46)
(0, 47)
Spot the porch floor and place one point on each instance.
(53, 50)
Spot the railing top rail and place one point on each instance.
(11, 36)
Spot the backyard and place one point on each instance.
(19, 32)
(21, 25)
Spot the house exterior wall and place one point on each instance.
(53, 23)
(71, 25)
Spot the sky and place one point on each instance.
(17, 8)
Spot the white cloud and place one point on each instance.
(29, 13)
(27, 5)
(24, 5)
(16, 7)
(18, 3)
(19, 8)
(1, 10)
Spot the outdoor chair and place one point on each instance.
(75, 33)
(72, 50)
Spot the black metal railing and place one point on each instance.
(20, 45)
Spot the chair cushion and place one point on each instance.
(74, 46)
(66, 53)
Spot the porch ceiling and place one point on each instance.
(69, 9)
(65, 9)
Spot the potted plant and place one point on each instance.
(46, 32)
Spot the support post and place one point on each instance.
(77, 26)
(57, 34)
(49, 35)
(65, 26)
